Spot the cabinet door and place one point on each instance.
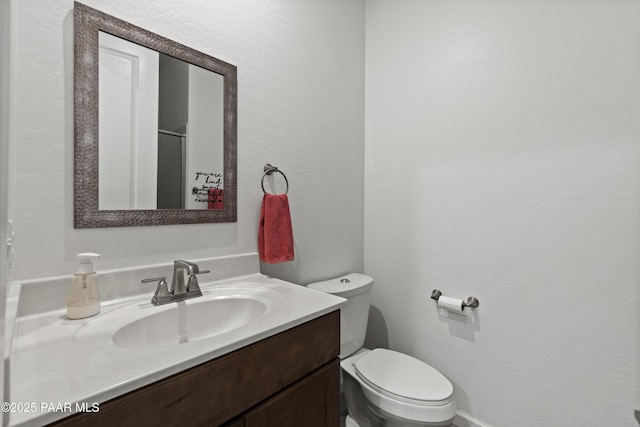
(314, 401)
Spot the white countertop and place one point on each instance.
(56, 363)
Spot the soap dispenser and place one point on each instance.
(84, 299)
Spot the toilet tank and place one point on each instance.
(356, 288)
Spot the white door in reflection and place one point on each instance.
(128, 144)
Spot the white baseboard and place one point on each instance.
(463, 419)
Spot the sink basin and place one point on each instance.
(219, 311)
(190, 322)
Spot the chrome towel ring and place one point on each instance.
(268, 170)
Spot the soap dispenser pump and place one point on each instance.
(84, 299)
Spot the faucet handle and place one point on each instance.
(192, 284)
(162, 291)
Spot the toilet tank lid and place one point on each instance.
(344, 286)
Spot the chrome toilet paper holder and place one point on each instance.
(471, 302)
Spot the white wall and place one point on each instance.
(301, 102)
(503, 161)
(6, 61)
(205, 139)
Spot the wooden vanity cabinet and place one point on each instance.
(291, 379)
(310, 402)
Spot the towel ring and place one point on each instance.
(268, 170)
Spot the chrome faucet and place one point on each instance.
(179, 291)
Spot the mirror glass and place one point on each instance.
(160, 130)
(155, 128)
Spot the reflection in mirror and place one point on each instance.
(161, 130)
(155, 128)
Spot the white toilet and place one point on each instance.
(383, 387)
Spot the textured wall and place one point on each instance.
(301, 107)
(5, 66)
(503, 161)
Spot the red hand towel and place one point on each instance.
(216, 198)
(275, 235)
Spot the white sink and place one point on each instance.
(191, 320)
(219, 311)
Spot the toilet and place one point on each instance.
(383, 387)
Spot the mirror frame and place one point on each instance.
(87, 23)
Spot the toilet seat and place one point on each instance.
(403, 378)
(389, 402)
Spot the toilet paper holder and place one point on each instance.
(471, 302)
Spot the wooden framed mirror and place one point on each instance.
(163, 156)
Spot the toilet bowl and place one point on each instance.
(383, 387)
(401, 390)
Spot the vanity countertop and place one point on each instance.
(59, 366)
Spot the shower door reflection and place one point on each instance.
(171, 170)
